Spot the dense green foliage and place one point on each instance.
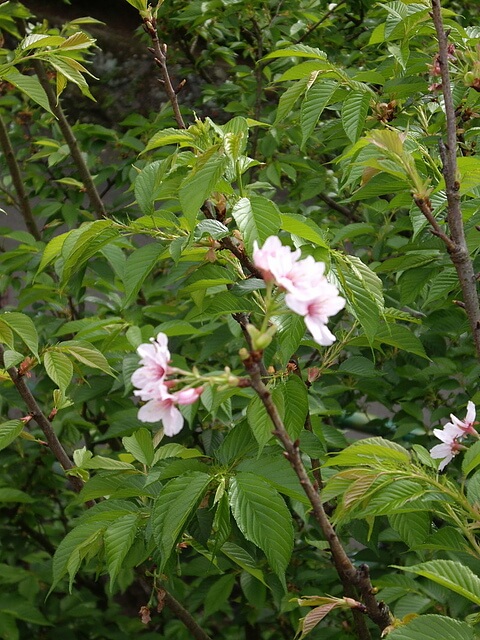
(318, 124)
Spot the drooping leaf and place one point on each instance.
(138, 266)
(9, 431)
(354, 112)
(263, 518)
(24, 327)
(173, 508)
(140, 446)
(118, 538)
(199, 184)
(59, 368)
(316, 99)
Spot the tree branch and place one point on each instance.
(459, 253)
(43, 422)
(378, 612)
(23, 199)
(185, 616)
(84, 172)
(159, 51)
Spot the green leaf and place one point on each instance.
(140, 446)
(432, 627)
(354, 113)
(75, 544)
(83, 243)
(29, 85)
(119, 538)
(359, 366)
(291, 329)
(243, 559)
(371, 451)
(87, 354)
(316, 99)
(148, 185)
(59, 368)
(199, 184)
(223, 303)
(257, 218)
(218, 594)
(23, 326)
(9, 626)
(297, 51)
(471, 459)
(413, 528)
(296, 405)
(258, 419)
(277, 471)
(170, 136)
(22, 609)
(101, 462)
(263, 518)
(174, 507)
(303, 228)
(52, 251)
(138, 266)
(9, 431)
(289, 98)
(14, 495)
(450, 574)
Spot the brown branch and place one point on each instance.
(13, 167)
(43, 422)
(159, 51)
(378, 612)
(84, 172)
(350, 214)
(185, 616)
(317, 24)
(459, 253)
(426, 208)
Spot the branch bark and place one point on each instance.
(86, 177)
(458, 249)
(43, 422)
(13, 167)
(377, 611)
(186, 617)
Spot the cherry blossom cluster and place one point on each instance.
(452, 434)
(308, 292)
(154, 387)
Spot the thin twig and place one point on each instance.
(317, 24)
(378, 612)
(84, 172)
(43, 422)
(426, 208)
(459, 253)
(159, 51)
(23, 199)
(350, 214)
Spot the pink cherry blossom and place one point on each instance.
(466, 426)
(274, 260)
(163, 408)
(325, 302)
(154, 358)
(451, 435)
(303, 278)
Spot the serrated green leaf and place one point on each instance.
(289, 98)
(59, 368)
(52, 251)
(432, 627)
(258, 419)
(140, 445)
(257, 218)
(450, 574)
(354, 113)
(9, 431)
(316, 99)
(297, 51)
(23, 326)
(148, 184)
(222, 303)
(87, 354)
(263, 518)
(277, 471)
(218, 594)
(101, 462)
(303, 228)
(243, 559)
(138, 266)
(79, 537)
(199, 184)
(174, 507)
(170, 136)
(413, 528)
(296, 405)
(30, 85)
(82, 244)
(369, 451)
(118, 538)
(291, 329)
